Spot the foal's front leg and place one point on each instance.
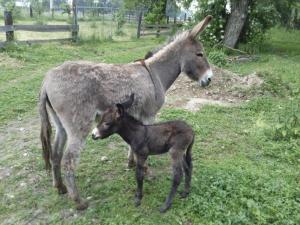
(139, 178)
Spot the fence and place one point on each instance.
(144, 29)
(10, 28)
(94, 22)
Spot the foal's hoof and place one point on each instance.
(131, 164)
(82, 205)
(184, 194)
(62, 189)
(164, 208)
(137, 202)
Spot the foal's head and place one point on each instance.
(111, 120)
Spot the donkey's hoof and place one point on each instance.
(62, 189)
(82, 205)
(164, 208)
(184, 194)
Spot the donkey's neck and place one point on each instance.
(165, 64)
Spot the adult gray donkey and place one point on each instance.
(75, 92)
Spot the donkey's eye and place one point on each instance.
(200, 54)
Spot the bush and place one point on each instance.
(217, 57)
(288, 125)
(261, 16)
(120, 18)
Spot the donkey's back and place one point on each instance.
(92, 87)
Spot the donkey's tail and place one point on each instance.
(46, 129)
(188, 154)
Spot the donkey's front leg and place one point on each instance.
(70, 162)
(139, 178)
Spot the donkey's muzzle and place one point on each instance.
(205, 83)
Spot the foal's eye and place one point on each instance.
(200, 54)
(107, 124)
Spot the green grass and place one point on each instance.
(241, 174)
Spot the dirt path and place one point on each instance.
(226, 89)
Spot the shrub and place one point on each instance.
(261, 16)
(120, 19)
(288, 125)
(217, 57)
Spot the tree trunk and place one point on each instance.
(30, 11)
(235, 22)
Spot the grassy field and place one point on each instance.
(246, 171)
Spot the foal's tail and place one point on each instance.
(46, 129)
(188, 154)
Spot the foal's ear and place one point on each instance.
(129, 102)
(200, 27)
(120, 111)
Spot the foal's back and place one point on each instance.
(172, 134)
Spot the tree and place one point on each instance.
(236, 21)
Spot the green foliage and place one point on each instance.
(214, 33)
(66, 8)
(262, 15)
(8, 5)
(217, 57)
(274, 84)
(156, 12)
(37, 7)
(121, 20)
(288, 125)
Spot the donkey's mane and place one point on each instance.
(169, 45)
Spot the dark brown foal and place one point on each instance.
(175, 137)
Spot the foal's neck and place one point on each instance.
(131, 130)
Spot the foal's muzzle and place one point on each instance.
(95, 134)
(94, 137)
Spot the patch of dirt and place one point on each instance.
(226, 89)
(6, 60)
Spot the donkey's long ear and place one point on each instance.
(200, 27)
(129, 102)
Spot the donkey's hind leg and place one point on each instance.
(57, 152)
(70, 162)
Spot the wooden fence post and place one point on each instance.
(75, 24)
(8, 20)
(138, 33)
(157, 30)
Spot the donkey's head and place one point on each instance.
(111, 120)
(193, 59)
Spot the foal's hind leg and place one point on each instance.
(177, 176)
(188, 175)
(56, 156)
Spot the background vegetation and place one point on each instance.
(246, 157)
